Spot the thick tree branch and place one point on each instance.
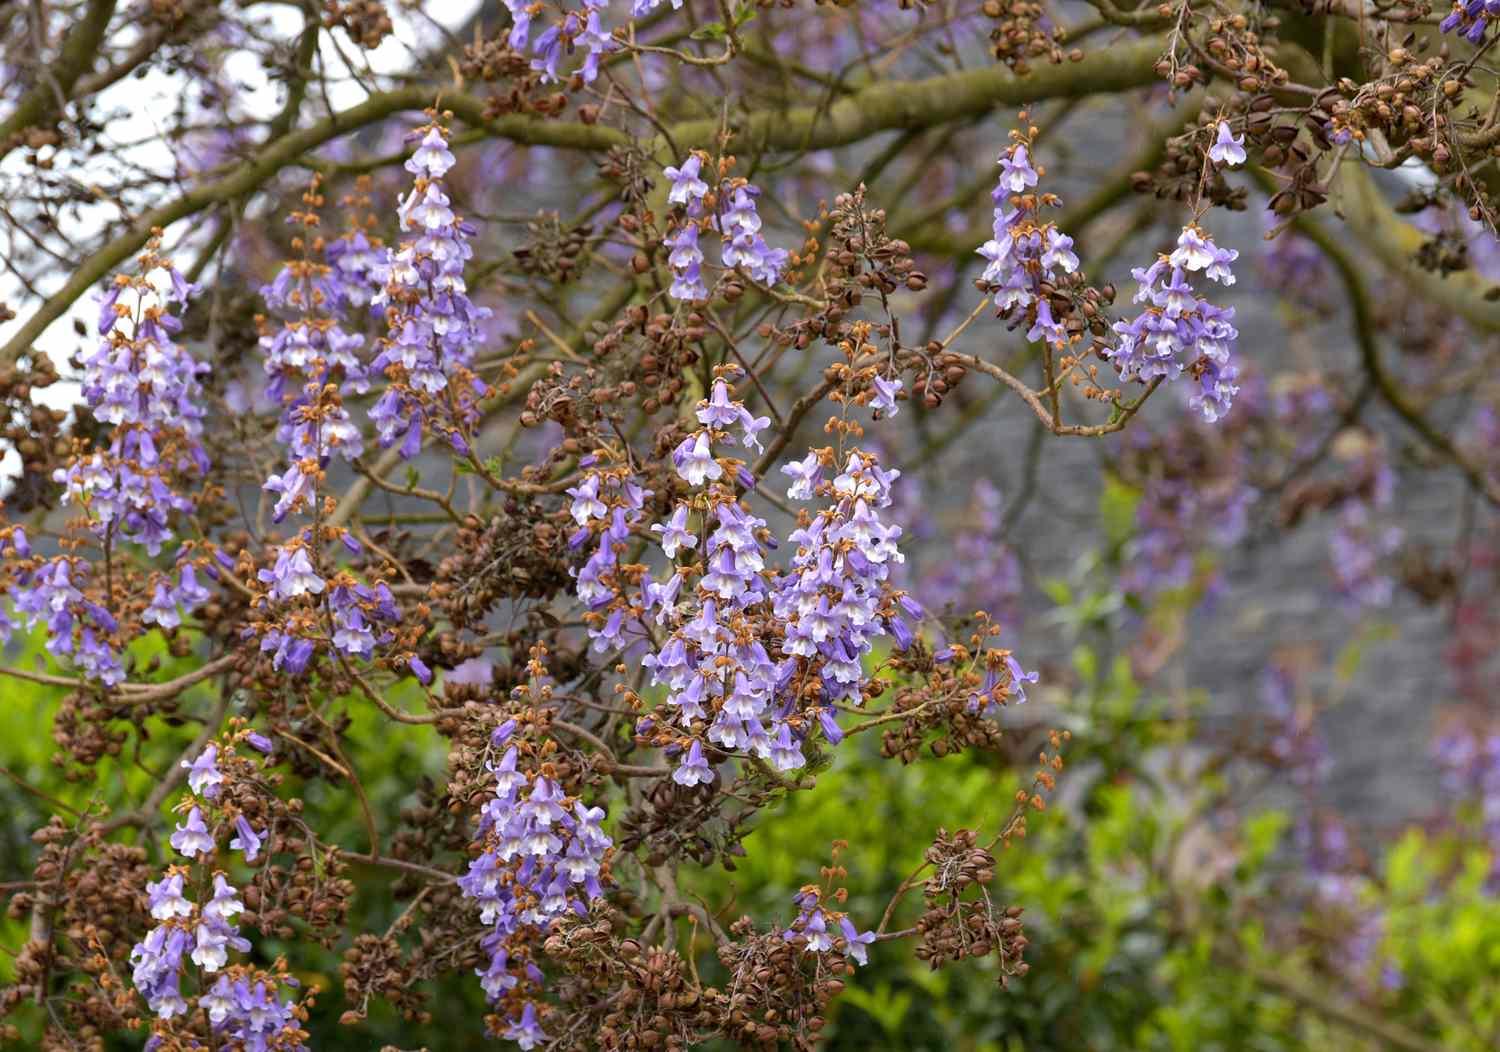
(934, 100)
(884, 107)
(272, 158)
(41, 105)
(1372, 222)
(1384, 384)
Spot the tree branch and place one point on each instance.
(41, 105)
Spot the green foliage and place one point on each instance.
(1443, 934)
(1131, 949)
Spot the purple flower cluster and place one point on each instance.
(1195, 496)
(1023, 251)
(1337, 888)
(434, 326)
(1471, 18)
(315, 350)
(578, 28)
(717, 675)
(754, 659)
(1356, 922)
(833, 599)
(1294, 267)
(354, 260)
(170, 600)
(242, 1007)
(542, 856)
(250, 1011)
(77, 627)
(642, 8)
(142, 383)
(362, 616)
(123, 492)
(1298, 400)
(1004, 680)
(316, 357)
(826, 931)
(1179, 331)
(728, 683)
(147, 387)
(1359, 924)
(612, 503)
(143, 379)
(738, 222)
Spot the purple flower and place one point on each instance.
(786, 751)
(1016, 172)
(675, 534)
(432, 157)
(815, 929)
(107, 314)
(247, 840)
(694, 769)
(586, 504)
(1227, 149)
(805, 475)
(293, 574)
(189, 593)
(162, 610)
(856, 941)
(1059, 252)
(476, 672)
(1194, 251)
(694, 460)
(740, 224)
(259, 742)
(526, 1031)
(165, 898)
(204, 776)
(1019, 677)
(420, 670)
(687, 188)
(192, 839)
(211, 950)
(225, 902)
(686, 261)
(886, 392)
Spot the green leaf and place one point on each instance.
(1058, 591)
(1117, 507)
